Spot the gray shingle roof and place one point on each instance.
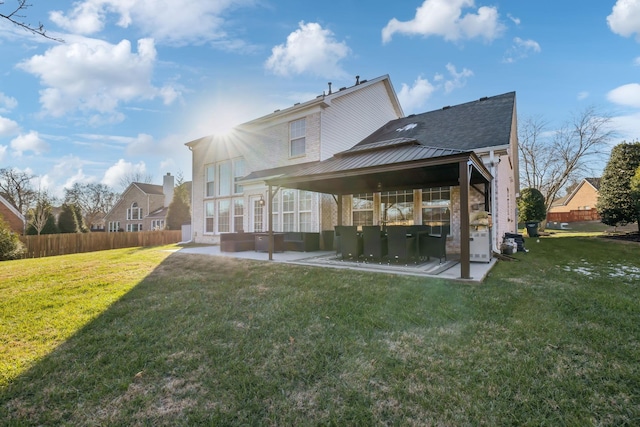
(149, 188)
(483, 123)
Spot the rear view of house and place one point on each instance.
(579, 205)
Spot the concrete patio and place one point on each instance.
(449, 269)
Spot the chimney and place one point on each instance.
(167, 188)
(329, 88)
(357, 80)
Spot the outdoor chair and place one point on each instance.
(350, 242)
(432, 246)
(374, 243)
(401, 247)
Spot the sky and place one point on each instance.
(134, 80)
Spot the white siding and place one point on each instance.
(350, 119)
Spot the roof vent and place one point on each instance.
(297, 103)
(329, 88)
(275, 111)
(343, 88)
(357, 80)
(364, 81)
(484, 98)
(447, 107)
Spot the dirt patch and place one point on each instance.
(627, 237)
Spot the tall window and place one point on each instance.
(436, 209)
(304, 210)
(288, 210)
(114, 226)
(209, 217)
(297, 135)
(238, 173)
(224, 178)
(276, 212)
(362, 209)
(134, 227)
(238, 214)
(258, 215)
(134, 212)
(210, 181)
(224, 216)
(397, 207)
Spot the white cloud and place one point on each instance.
(514, 19)
(414, 97)
(444, 18)
(7, 103)
(583, 95)
(625, 18)
(172, 22)
(95, 76)
(637, 61)
(29, 142)
(457, 80)
(627, 127)
(521, 49)
(309, 49)
(3, 152)
(627, 95)
(8, 127)
(114, 175)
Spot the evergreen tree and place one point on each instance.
(179, 210)
(68, 220)
(616, 205)
(531, 206)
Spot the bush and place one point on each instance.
(531, 206)
(10, 245)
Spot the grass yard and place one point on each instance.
(147, 337)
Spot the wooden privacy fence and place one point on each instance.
(74, 243)
(574, 216)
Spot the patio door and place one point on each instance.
(258, 215)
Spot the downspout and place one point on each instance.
(494, 214)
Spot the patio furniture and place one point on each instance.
(432, 246)
(374, 242)
(262, 242)
(301, 241)
(350, 242)
(236, 242)
(401, 245)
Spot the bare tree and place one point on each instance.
(551, 160)
(137, 176)
(39, 215)
(94, 200)
(15, 16)
(16, 186)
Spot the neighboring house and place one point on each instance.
(12, 216)
(142, 207)
(579, 205)
(229, 172)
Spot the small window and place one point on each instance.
(209, 217)
(362, 209)
(297, 135)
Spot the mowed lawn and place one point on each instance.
(152, 337)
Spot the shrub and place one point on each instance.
(10, 245)
(531, 206)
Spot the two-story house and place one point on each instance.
(12, 216)
(141, 207)
(229, 172)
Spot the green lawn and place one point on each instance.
(147, 337)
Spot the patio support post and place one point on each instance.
(270, 223)
(465, 249)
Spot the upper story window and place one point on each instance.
(134, 212)
(209, 178)
(224, 178)
(297, 138)
(238, 173)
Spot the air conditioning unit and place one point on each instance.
(480, 246)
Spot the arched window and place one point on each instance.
(134, 212)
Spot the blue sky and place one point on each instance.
(136, 79)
